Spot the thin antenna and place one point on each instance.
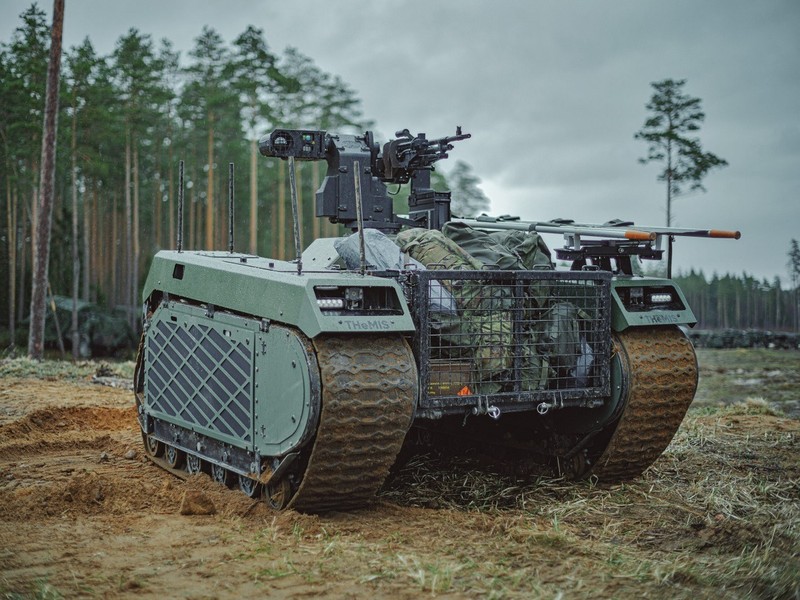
(230, 207)
(360, 218)
(180, 207)
(295, 215)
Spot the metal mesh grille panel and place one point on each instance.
(518, 336)
(201, 376)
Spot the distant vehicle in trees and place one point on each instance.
(101, 331)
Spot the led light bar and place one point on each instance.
(330, 303)
(662, 298)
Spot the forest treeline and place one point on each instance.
(125, 122)
(739, 302)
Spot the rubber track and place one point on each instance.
(369, 390)
(662, 379)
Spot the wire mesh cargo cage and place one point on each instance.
(511, 340)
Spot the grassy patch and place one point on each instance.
(64, 369)
(731, 376)
(40, 590)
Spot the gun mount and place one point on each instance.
(402, 160)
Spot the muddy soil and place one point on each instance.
(84, 514)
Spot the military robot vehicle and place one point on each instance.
(301, 380)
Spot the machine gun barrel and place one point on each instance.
(447, 141)
(618, 240)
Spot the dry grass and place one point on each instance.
(719, 510)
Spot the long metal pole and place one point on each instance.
(295, 215)
(230, 207)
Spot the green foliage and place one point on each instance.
(164, 110)
(24, 88)
(468, 199)
(668, 132)
(257, 80)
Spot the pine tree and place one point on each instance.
(675, 117)
(794, 276)
(259, 83)
(171, 76)
(10, 197)
(23, 106)
(209, 91)
(468, 199)
(137, 78)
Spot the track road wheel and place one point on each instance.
(221, 475)
(278, 494)
(152, 446)
(174, 457)
(194, 464)
(658, 380)
(249, 486)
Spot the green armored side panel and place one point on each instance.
(648, 301)
(313, 301)
(198, 374)
(221, 376)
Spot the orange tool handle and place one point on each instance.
(643, 236)
(718, 233)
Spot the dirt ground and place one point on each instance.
(84, 514)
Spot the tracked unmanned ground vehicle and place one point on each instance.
(302, 379)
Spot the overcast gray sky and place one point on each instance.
(552, 93)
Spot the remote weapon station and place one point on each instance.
(302, 380)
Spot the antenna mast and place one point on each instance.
(230, 207)
(295, 215)
(180, 207)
